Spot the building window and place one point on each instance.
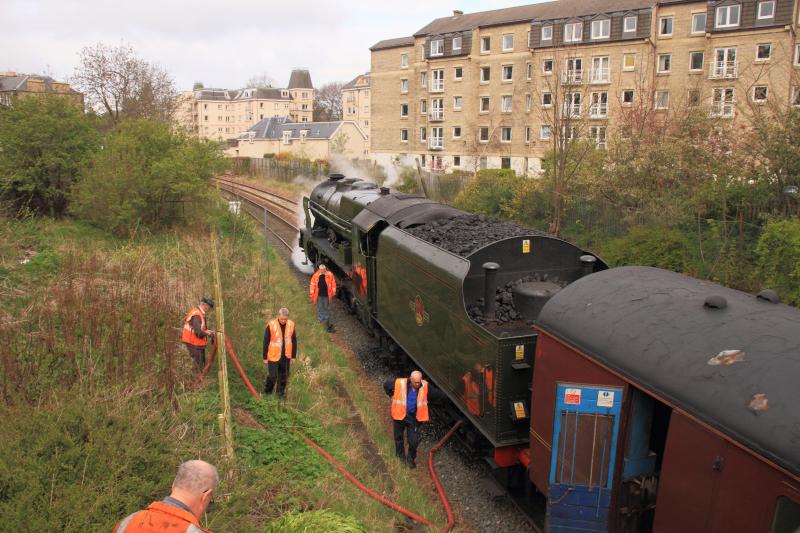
(437, 47)
(665, 27)
(456, 161)
(693, 98)
(483, 134)
(404, 136)
(528, 103)
(598, 105)
(629, 24)
(505, 103)
(486, 45)
(547, 99)
(573, 32)
(486, 74)
(483, 162)
(723, 103)
(727, 16)
(404, 86)
(457, 103)
(456, 44)
(664, 63)
(544, 132)
(662, 100)
(547, 66)
(423, 107)
(403, 60)
(505, 162)
(760, 94)
(699, 22)
(423, 135)
(403, 110)
(628, 61)
(456, 132)
(458, 73)
(508, 72)
(508, 42)
(696, 60)
(601, 71)
(797, 55)
(547, 33)
(528, 71)
(627, 97)
(484, 108)
(527, 134)
(796, 96)
(598, 135)
(601, 29)
(572, 104)
(764, 52)
(725, 63)
(766, 10)
(505, 135)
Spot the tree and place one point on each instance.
(44, 143)
(261, 81)
(328, 102)
(147, 175)
(119, 84)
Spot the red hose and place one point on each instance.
(203, 373)
(350, 477)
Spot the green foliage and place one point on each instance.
(778, 253)
(147, 176)
(649, 246)
(491, 192)
(407, 181)
(321, 521)
(45, 142)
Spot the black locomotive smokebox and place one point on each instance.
(530, 297)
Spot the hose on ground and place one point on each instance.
(350, 477)
(203, 373)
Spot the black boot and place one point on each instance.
(329, 327)
(411, 463)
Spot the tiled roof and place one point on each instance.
(362, 80)
(300, 79)
(267, 93)
(19, 82)
(274, 127)
(393, 43)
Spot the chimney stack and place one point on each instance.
(457, 13)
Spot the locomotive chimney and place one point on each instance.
(384, 191)
(587, 264)
(489, 289)
(336, 177)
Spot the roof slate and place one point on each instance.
(274, 127)
(19, 82)
(300, 79)
(393, 43)
(362, 80)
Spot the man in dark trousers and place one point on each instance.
(195, 335)
(280, 348)
(321, 290)
(409, 409)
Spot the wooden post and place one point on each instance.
(225, 417)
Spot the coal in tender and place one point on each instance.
(505, 311)
(464, 234)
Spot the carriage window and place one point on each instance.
(787, 516)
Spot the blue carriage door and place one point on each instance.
(586, 425)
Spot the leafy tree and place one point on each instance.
(778, 253)
(147, 176)
(491, 192)
(44, 143)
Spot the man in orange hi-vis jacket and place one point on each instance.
(321, 290)
(195, 335)
(280, 348)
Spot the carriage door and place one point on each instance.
(585, 428)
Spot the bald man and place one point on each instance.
(180, 512)
(409, 409)
(321, 290)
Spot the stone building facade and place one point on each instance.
(356, 101)
(14, 85)
(495, 89)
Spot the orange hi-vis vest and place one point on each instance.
(276, 340)
(187, 335)
(313, 285)
(160, 517)
(400, 398)
(472, 391)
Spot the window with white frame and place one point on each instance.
(764, 52)
(598, 105)
(423, 79)
(627, 97)
(601, 71)
(458, 73)
(528, 102)
(437, 140)
(598, 135)
(570, 132)
(423, 107)
(664, 63)
(797, 55)
(457, 161)
(505, 103)
(629, 24)
(437, 80)
(766, 9)
(572, 104)
(573, 32)
(723, 103)
(696, 61)
(403, 60)
(528, 71)
(404, 85)
(724, 65)
(404, 136)
(727, 16)
(662, 100)
(699, 22)
(505, 134)
(665, 26)
(484, 107)
(486, 44)
(403, 110)
(508, 72)
(796, 96)
(544, 132)
(508, 42)
(547, 66)
(483, 134)
(423, 134)
(456, 132)
(456, 44)
(486, 74)
(601, 29)
(629, 61)
(437, 47)
(527, 134)
(457, 100)
(547, 99)
(483, 162)
(547, 33)
(760, 94)
(437, 109)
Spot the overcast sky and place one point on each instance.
(220, 43)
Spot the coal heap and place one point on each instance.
(505, 311)
(465, 234)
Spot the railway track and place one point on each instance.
(264, 205)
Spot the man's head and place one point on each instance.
(283, 315)
(322, 267)
(416, 379)
(206, 304)
(195, 484)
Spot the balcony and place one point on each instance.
(436, 143)
(598, 111)
(571, 111)
(723, 109)
(572, 77)
(723, 70)
(600, 75)
(437, 86)
(436, 115)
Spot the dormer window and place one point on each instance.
(727, 16)
(287, 137)
(547, 33)
(437, 47)
(456, 44)
(573, 32)
(766, 10)
(284, 94)
(601, 29)
(629, 24)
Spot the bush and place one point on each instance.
(649, 246)
(778, 252)
(491, 192)
(321, 521)
(407, 181)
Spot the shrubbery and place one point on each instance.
(778, 253)
(491, 192)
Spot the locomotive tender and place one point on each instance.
(633, 399)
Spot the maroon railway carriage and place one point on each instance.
(666, 403)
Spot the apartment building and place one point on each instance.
(495, 89)
(355, 101)
(14, 85)
(223, 114)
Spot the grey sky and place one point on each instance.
(219, 43)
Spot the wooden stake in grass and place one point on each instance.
(225, 417)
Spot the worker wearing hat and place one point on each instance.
(195, 334)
